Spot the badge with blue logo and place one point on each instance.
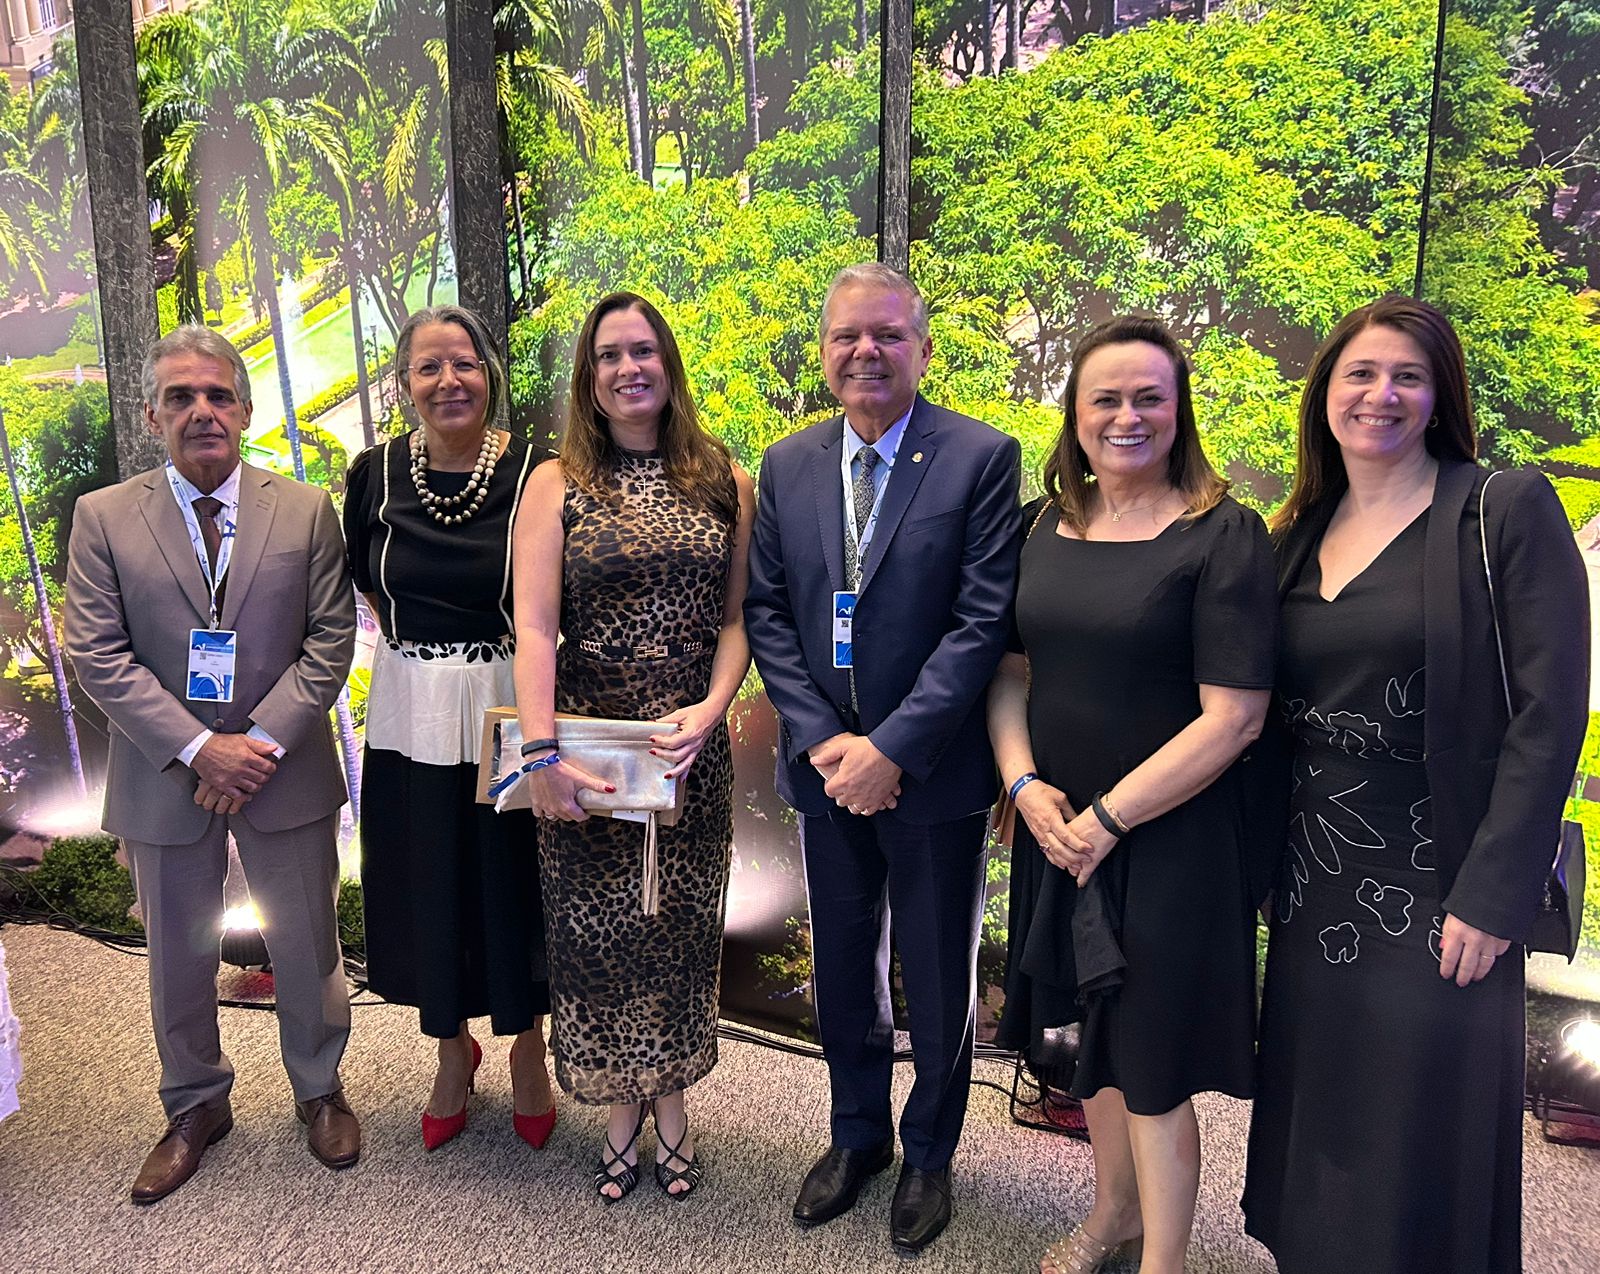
(212, 654)
(844, 615)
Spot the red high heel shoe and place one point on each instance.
(437, 1131)
(533, 1129)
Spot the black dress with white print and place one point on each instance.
(1376, 1144)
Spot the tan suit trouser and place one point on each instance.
(294, 882)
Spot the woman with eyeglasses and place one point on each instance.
(454, 921)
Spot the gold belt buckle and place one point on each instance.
(652, 652)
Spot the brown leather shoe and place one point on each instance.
(332, 1131)
(178, 1153)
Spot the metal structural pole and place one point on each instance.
(119, 209)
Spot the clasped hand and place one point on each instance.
(232, 769)
(1074, 842)
(855, 774)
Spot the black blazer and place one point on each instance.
(1499, 786)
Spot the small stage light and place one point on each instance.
(1566, 1090)
(242, 943)
(1582, 1036)
(245, 917)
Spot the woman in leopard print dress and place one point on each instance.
(633, 546)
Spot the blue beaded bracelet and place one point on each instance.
(1021, 783)
(507, 780)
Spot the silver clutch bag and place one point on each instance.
(617, 751)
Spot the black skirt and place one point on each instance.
(454, 919)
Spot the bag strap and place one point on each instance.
(1045, 503)
(1044, 507)
(1494, 616)
(1488, 578)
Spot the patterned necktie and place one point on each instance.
(864, 495)
(206, 509)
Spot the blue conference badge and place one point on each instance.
(844, 615)
(213, 653)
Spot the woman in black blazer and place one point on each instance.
(1387, 1128)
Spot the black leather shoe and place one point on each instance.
(921, 1208)
(835, 1180)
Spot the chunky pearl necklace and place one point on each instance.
(446, 508)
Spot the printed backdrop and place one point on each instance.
(1249, 171)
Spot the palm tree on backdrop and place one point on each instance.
(159, 61)
(47, 625)
(600, 34)
(55, 118)
(529, 35)
(20, 254)
(410, 114)
(747, 56)
(253, 88)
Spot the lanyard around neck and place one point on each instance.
(197, 542)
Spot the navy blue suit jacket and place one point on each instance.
(931, 619)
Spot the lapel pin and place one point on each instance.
(916, 458)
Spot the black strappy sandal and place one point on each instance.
(610, 1157)
(666, 1174)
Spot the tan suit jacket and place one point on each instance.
(135, 589)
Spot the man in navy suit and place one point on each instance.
(881, 574)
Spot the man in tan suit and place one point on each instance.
(210, 616)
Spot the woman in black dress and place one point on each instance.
(453, 917)
(1146, 622)
(1387, 1132)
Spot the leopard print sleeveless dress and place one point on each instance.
(634, 997)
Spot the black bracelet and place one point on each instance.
(538, 745)
(1106, 821)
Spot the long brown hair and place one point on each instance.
(1067, 472)
(696, 464)
(1452, 434)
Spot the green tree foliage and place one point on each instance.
(1533, 349)
(63, 446)
(741, 284)
(237, 89)
(1250, 178)
(738, 261)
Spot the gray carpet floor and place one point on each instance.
(488, 1202)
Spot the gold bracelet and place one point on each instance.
(1116, 817)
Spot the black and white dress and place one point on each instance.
(1386, 1136)
(454, 922)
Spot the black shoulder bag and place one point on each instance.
(1559, 919)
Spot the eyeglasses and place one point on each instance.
(432, 368)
